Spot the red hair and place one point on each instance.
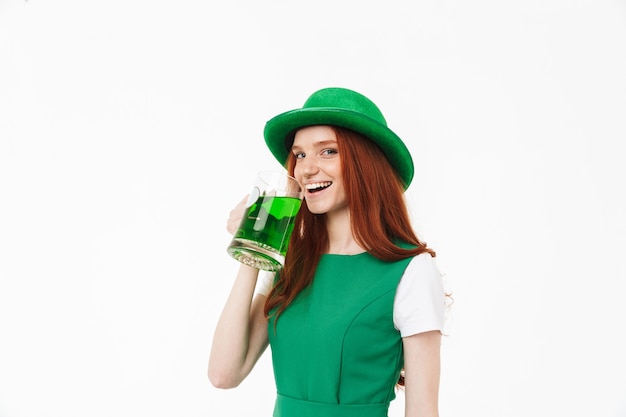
(379, 219)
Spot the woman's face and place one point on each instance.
(318, 169)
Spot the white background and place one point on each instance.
(129, 129)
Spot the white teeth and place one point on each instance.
(316, 185)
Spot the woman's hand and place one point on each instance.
(234, 218)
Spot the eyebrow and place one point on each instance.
(317, 144)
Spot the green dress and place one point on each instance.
(335, 350)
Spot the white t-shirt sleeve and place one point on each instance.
(264, 282)
(420, 300)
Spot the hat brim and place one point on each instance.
(279, 128)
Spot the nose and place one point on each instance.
(308, 166)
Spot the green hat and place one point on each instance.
(344, 108)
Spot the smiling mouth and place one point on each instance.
(318, 186)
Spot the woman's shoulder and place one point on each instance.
(423, 264)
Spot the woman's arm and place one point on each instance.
(241, 333)
(422, 370)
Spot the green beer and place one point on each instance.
(263, 235)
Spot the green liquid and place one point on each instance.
(270, 221)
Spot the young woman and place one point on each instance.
(359, 304)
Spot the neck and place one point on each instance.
(340, 238)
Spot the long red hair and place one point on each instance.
(378, 215)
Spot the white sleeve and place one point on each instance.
(264, 282)
(420, 299)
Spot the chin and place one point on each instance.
(317, 212)
(316, 209)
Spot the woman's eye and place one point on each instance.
(328, 152)
(299, 155)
